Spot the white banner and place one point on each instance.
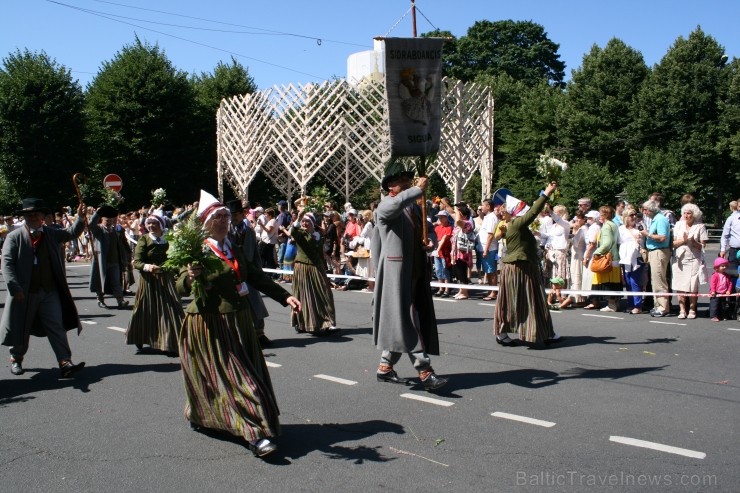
(413, 85)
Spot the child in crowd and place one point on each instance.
(720, 284)
(555, 299)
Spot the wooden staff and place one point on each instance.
(76, 179)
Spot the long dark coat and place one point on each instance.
(393, 244)
(17, 267)
(102, 247)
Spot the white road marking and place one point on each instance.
(429, 400)
(487, 304)
(451, 300)
(733, 329)
(89, 322)
(523, 419)
(658, 446)
(273, 365)
(119, 329)
(335, 379)
(601, 316)
(667, 323)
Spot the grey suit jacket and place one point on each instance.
(17, 267)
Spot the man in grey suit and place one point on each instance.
(403, 309)
(39, 301)
(242, 235)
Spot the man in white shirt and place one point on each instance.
(489, 246)
(268, 240)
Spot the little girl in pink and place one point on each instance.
(720, 284)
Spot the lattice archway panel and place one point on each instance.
(340, 131)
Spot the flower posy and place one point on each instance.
(159, 196)
(188, 247)
(550, 168)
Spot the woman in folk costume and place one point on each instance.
(227, 383)
(522, 304)
(158, 312)
(310, 284)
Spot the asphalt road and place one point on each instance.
(625, 403)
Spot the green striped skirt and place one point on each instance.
(227, 384)
(522, 304)
(157, 314)
(313, 289)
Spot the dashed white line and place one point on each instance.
(601, 316)
(733, 329)
(487, 304)
(523, 419)
(658, 446)
(445, 300)
(88, 322)
(335, 379)
(273, 365)
(666, 323)
(428, 400)
(119, 329)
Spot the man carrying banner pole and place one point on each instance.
(403, 310)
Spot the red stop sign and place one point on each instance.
(113, 182)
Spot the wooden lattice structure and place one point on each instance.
(340, 131)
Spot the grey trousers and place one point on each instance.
(420, 359)
(47, 306)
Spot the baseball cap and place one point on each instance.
(592, 214)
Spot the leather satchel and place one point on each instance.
(601, 263)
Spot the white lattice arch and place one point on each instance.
(340, 131)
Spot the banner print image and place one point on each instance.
(413, 73)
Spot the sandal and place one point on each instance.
(590, 307)
(636, 311)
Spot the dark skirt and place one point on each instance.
(227, 384)
(522, 304)
(313, 289)
(157, 314)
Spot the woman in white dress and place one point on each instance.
(689, 238)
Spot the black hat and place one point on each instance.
(33, 205)
(393, 176)
(108, 211)
(235, 206)
(282, 203)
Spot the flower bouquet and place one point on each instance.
(187, 246)
(551, 170)
(159, 197)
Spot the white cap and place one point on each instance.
(593, 214)
(207, 206)
(516, 207)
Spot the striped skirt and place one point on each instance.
(522, 305)
(157, 314)
(313, 290)
(227, 384)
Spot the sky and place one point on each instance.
(296, 42)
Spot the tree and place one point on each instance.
(141, 126)
(679, 108)
(595, 123)
(41, 130)
(520, 49)
(210, 89)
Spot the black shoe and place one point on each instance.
(128, 292)
(264, 341)
(433, 382)
(16, 368)
(172, 354)
(139, 347)
(508, 342)
(122, 304)
(392, 377)
(68, 368)
(332, 332)
(102, 304)
(262, 447)
(556, 340)
(298, 330)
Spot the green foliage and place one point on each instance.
(41, 128)
(659, 170)
(520, 49)
(140, 111)
(187, 246)
(585, 178)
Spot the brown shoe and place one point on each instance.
(67, 368)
